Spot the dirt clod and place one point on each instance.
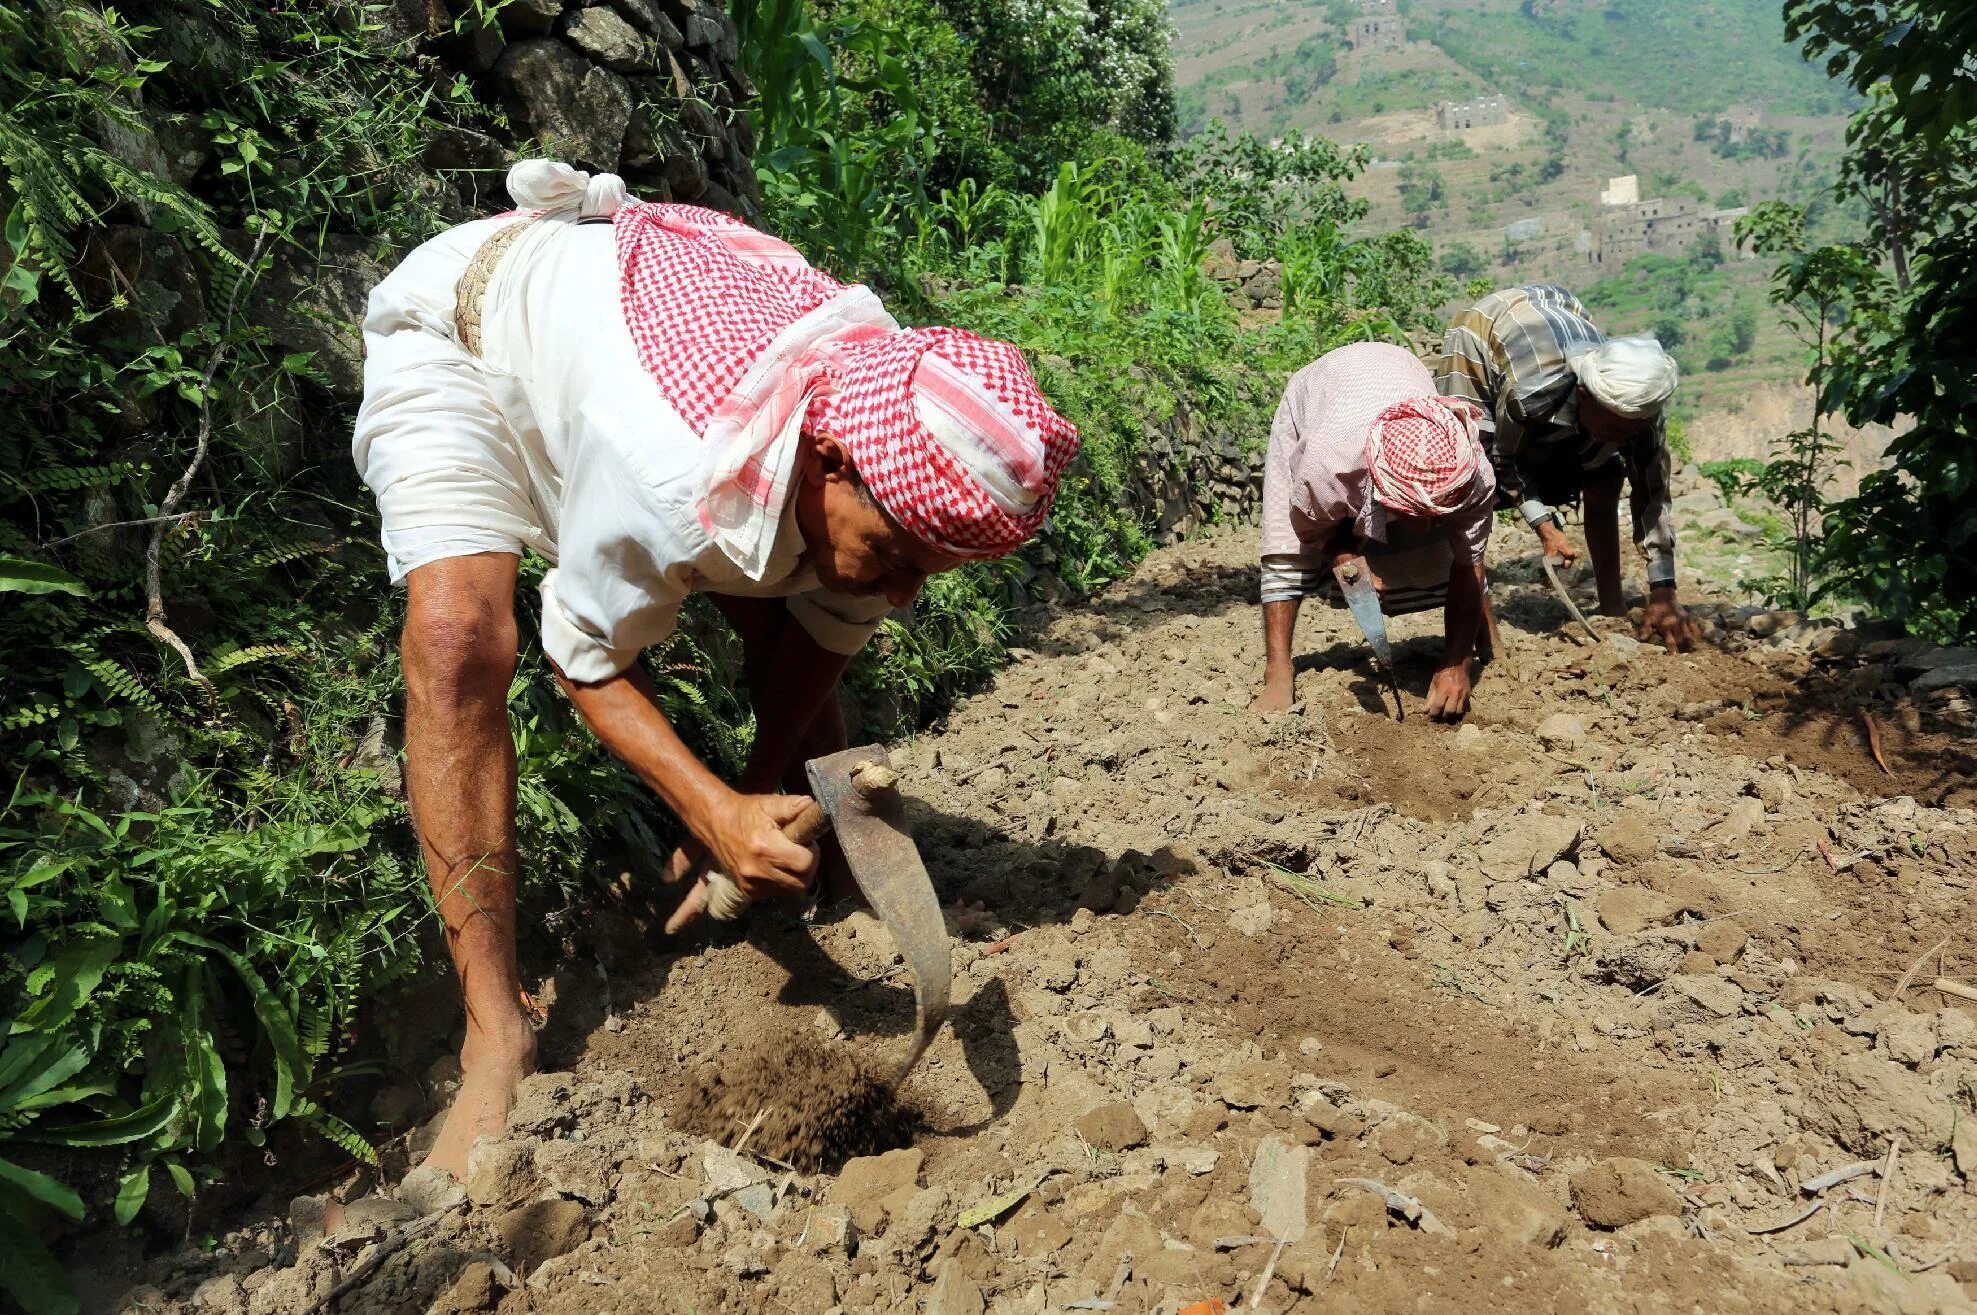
(1622, 1191)
(541, 1231)
(1113, 1126)
(811, 1105)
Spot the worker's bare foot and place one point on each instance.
(1276, 695)
(490, 1069)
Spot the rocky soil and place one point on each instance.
(1621, 997)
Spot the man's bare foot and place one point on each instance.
(490, 1069)
(1277, 695)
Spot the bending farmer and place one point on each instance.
(1363, 454)
(1566, 412)
(658, 400)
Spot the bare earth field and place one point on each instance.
(1325, 1012)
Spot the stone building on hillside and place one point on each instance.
(1662, 226)
(1479, 112)
(1742, 121)
(1378, 26)
(1624, 190)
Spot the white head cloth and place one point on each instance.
(549, 187)
(1632, 377)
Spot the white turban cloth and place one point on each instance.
(1631, 377)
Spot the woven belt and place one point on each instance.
(471, 290)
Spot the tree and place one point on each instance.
(1819, 288)
(1421, 192)
(1461, 261)
(1907, 541)
(1707, 253)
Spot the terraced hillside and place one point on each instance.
(1704, 103)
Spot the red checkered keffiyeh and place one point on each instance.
(1422, 455)
(947, 429)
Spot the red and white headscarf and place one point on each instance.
(947, 429)
(1423, 455)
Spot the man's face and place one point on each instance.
(852, 544)
(1605, 426)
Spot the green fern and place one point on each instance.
(38, 713)
(69, 479)
(283, 553)
(315, 1029)
(336, 1132)
(113, 676)
(241, 657)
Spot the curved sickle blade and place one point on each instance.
(886, 865)
(1355, 582)
(1565, 597)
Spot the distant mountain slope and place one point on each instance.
(1268, 65)
(1703, 102)
(1698, 56)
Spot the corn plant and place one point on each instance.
(1184, 242)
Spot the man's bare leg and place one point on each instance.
(1279, 673)
(1603, 544)
(459, 657)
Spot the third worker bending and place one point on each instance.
(1569, 412)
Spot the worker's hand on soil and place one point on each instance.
(1555, 545)
(1668, 622)
(1448, 693)
(744, 839)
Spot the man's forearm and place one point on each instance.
(1463, 615)
(624, 713)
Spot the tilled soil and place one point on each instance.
(1573, 1008)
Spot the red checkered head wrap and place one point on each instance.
(951, 434)
(750, 344)
(1423, 454)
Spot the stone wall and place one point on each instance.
(649, 89)
(1188, 477)
(1248, 284)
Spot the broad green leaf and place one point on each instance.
(33, 1064)
(74, 975)
(42, 1188)
(209, 1094)
(131, 1193)
(22, 575)
(181, 1178)
(31, 1275)
(291, 1064)
(145, 1121)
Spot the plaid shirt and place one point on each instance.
(1511, 354)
